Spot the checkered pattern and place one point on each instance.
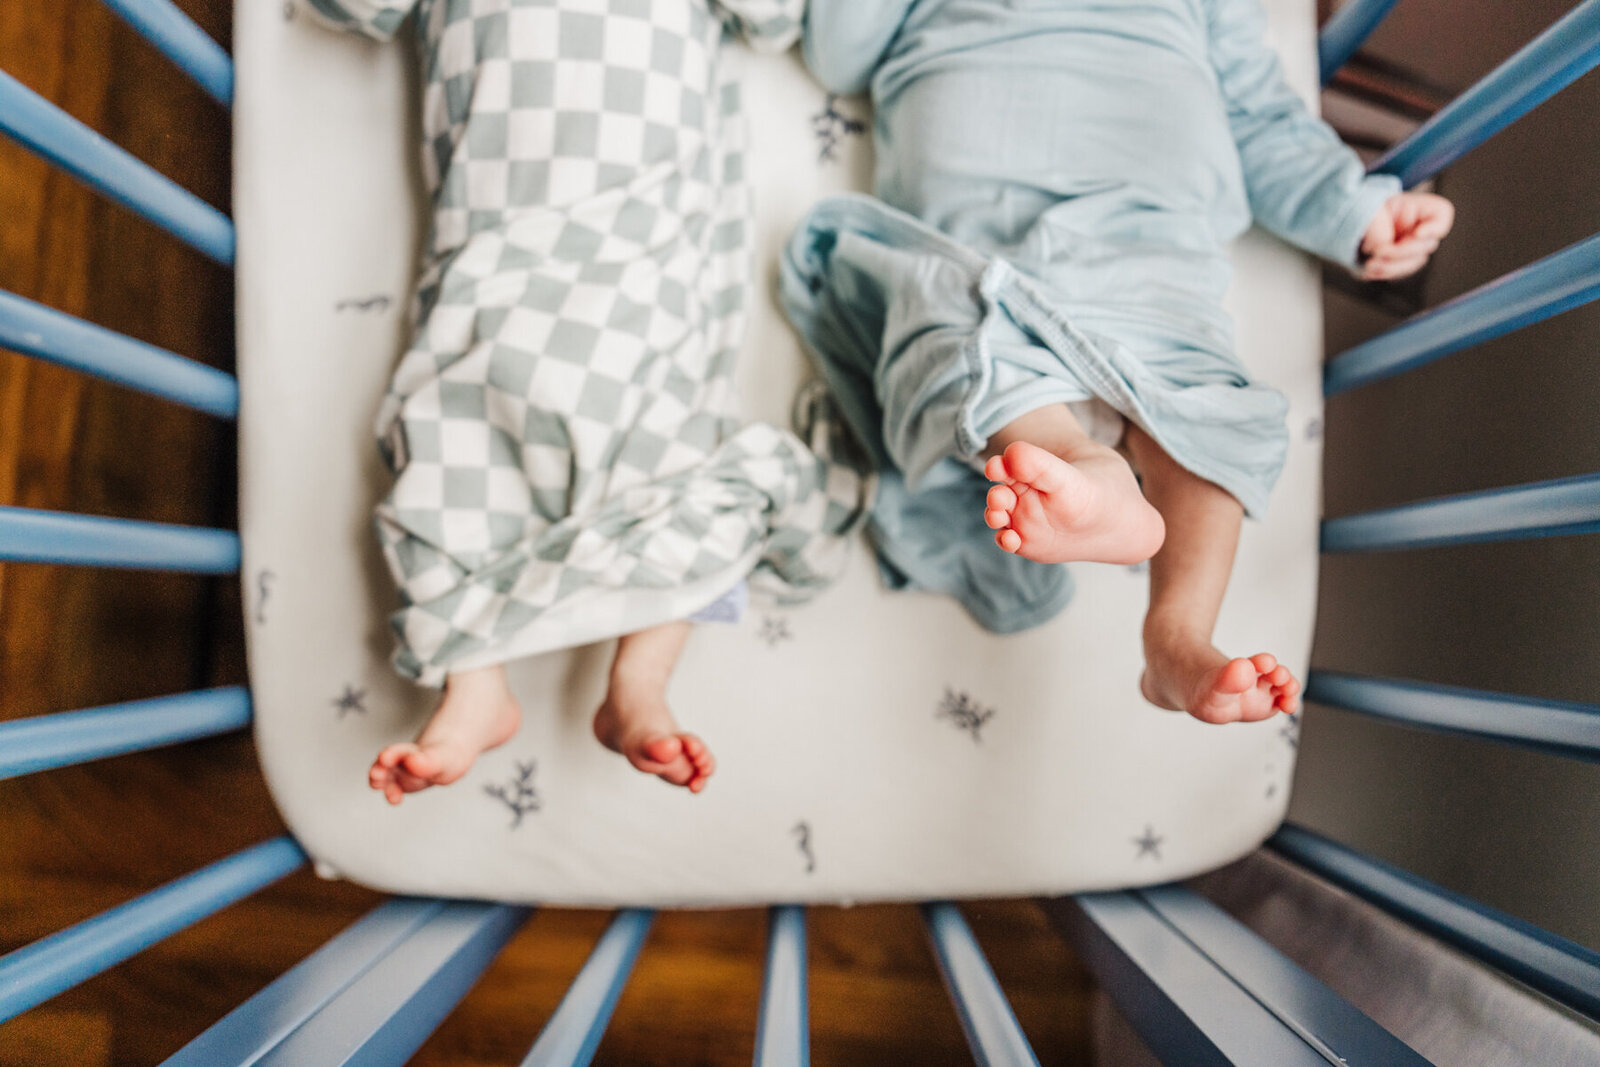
(563, 420)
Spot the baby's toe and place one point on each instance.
(1264, 662)
(1001, 498)
(409, 782)
(996, 519)
(1238, 676)
(391, 755)
(995, 470)
(419, 765)
(1009, 540)
(678, 773)
(663, 749)
(1032, 465)
(393, 793)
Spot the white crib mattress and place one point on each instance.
(870, 746)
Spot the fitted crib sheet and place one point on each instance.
(870, 745)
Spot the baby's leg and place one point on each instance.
(635, 719)
(1064, 497)
(477, 713)
(1183, 670)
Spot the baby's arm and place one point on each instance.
(845, 40)
(1304, 184)
(378, 19)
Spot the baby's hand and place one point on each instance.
(1403, 235)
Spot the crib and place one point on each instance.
(1196, 984)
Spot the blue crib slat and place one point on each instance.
(1345, 31)
(1560, 727)
(1553, 965)
(783, 1030)
(1186, 1008)
(993, 1034)
(47, 130)
(1546, 65)
(180, 40)
(386, 1014)
(46, 333)
(1335, 1028)
(1557, 283)
(1563, 506)
(44, 742)
(35, 973)
(573, 1033)
(258, 1025)
(31, 536)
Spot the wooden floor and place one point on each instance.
(76, 841)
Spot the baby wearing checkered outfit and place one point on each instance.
(567, 464)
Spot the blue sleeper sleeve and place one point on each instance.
(845, 40)
(1304, 184)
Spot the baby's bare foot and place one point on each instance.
(639, 725)
(1052, 511)
(477, 713)
(1192, 676)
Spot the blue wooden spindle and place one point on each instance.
(1553, 965)
(1546, 65)
(44, 742)
(1340, 1032)
(573, 1033)
(31, 536)
(261, 1023)
(47, 130)
(1559, 727)
(783, 1030)
(180, 40)
(1186, 1008)
(384, 1016)
(993, 1033)
(35, 973)
(1561, 507)
(46, 333)
(1568, 279)
(1346, 30)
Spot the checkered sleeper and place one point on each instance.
(568, 464)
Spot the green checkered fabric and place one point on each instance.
(562, 424)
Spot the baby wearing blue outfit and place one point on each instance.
(1044, 265)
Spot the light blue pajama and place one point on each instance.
(1057, 183)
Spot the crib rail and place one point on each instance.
(1564, 728)
(573, 1033)
(1344, 32)
(385, 1014)
(47, 131)
(180, 40)
(261, 1023)
(44, 333)
(1202, 989)
(1560, 282)
(1560, 507)
(45, 742)
(35, 973)
(1553, 965)
(29, 535)
(991, 1027)
(1546, 65)
(783, 1036)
